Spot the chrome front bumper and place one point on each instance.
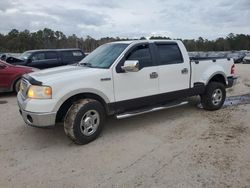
(37, 119)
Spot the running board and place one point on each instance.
(135, 113)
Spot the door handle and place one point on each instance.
(153, 75)
(184, 71)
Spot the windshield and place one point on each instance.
(25, 55)
(104, 56)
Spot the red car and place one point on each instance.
(10, 76)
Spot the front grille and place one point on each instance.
(24, 87)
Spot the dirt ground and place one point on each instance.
(179, 147)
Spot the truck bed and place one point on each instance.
(207, 58)
(203, 68)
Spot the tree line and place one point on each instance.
(20, 41)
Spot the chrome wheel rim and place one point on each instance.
(90, 122)
(217, 97)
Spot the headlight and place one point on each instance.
(40, 92)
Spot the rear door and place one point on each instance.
(174, 72)
(136, 89)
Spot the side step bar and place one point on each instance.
(144, 111)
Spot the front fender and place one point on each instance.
(80, 91)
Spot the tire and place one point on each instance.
(84, 121)
(214, 96)
(17, 85)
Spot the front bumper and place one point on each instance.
(36, 119)
(231, 81)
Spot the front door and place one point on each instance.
(38, 60)
(136, 89)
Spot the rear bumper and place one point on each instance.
(231, 81)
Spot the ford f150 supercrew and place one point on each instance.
(122, 79)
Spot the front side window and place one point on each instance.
(104, 56)
(38, 56)
(169, 54)
(142, 54)
(77, 53)
(25, 55)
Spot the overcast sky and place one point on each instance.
(129, 18)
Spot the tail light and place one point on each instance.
(233, 69)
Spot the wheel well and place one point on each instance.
(218, 78)
(67, 104)
(14, 83)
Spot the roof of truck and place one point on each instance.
(141, 41)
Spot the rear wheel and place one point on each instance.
(214, 96)
(84, 121)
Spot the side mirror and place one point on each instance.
(131, 66)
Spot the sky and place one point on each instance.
(184, 19)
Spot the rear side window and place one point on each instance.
(142, 54)
(51, 55)
(169, 54)
(72, 55)
(77, 53)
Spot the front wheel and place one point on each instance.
(84, 121)
(214, 96)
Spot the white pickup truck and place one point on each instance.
(122, 79)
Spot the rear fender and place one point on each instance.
(211, 72)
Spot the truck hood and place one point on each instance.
(59, 74)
